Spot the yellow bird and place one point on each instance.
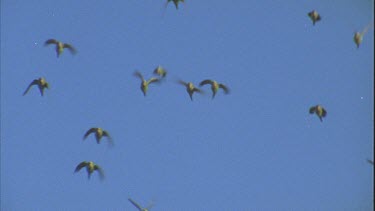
(214, 86)
(60, 46)
(139, 207)
(319, 111)
(144, 83)
(99, 133)
(314, 16)
(41, 83)
(190, 88)
(160, 71)
(90, 167)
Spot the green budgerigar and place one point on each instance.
(60, 46)
(190, 88)
(144, 83)
(314, 16)
(90, 167)
(319, 111)
(99, 133)
(160, 71)
(41, 83)
(214, 86)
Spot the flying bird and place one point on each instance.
(41, 83)
(190, 88)
(160, 71)
(358, 36)
(314, 16)
(214, 86)
(99, 133)
(139, 207)
(90, 167)
(144, 83)
(176, 2)
(60, 46)
(319, 110)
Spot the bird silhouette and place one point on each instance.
(314, 16)
(90, 167)
(41, 83)
(144, 83)
(214, 86)
(139, 207)
(60, 46)
(99, 133)
(319, 110)
(190, 88)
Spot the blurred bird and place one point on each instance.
(319, 110)
(60, 46)
(144, 83)
(139, 207)
(190, 88)
(42, 84)
(358, 36)
(176, 2)
(90, 167)
(314, 16)
(160, 71)
(99, 133)
(214, 86)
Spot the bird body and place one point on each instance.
(41, 83)
(358, 37)
(190, 88)
(319, 111)
(314, 16)
(60, 46)
(99, 133)
(90, 168)
(144, 83)
(214, 86)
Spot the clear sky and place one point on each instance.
(257, 148)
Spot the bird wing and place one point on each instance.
(100, 171)
(324, 112)
(51, 41)
(312, 109)
(182, 82)
(204, 82)
(81, 165)
(34, 82)
(92, 130)
(106, 134)
(70, 47)
(226, 89)
(153, 80)
(135, 204)
(139, 75)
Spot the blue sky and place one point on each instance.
(257, 148)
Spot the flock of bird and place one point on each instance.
(161, 73)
